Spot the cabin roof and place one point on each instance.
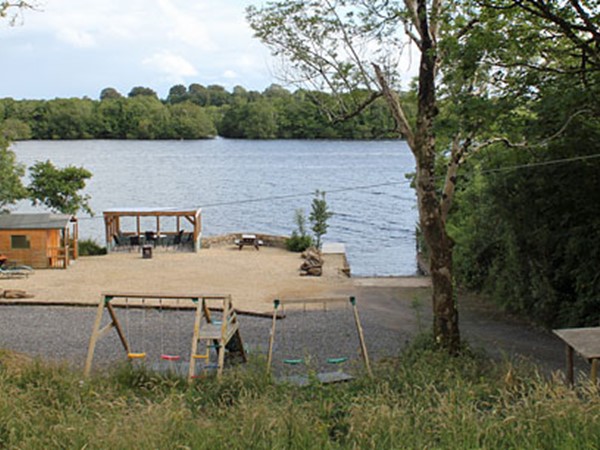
(45, 221)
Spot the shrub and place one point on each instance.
(299, 240)
(298, 243)
(89, 247)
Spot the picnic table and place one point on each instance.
(248, 239)
(586, 342)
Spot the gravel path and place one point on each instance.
(390, 317)
(62, 334)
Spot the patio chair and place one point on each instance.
(120, 241)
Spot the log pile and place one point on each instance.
(14, 293)
(313, 263)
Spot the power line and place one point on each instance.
(385, 184)
(542, 163)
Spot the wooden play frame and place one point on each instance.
(223, 336)
(327, 301)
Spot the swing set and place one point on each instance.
(221, 336)
(324, 377)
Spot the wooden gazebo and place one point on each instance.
(39, 240)
(179, 236)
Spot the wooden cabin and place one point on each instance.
(41, 241)
(128, 228)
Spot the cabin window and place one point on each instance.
(19, 241)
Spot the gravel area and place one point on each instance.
(61, 334)
(390, 316)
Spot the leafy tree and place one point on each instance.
(145, 117)
(325, 43)
(110, 94)
(142, 91)
(69, 119)
(189, 121)
(177, 94)
(11, 188)
(58, 189)
(525, 235)
(110, 120)
(319, 215)
(15, 129)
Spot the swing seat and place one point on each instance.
(205, 356)
(293, 362)
(341, 360)
(136, 355)
(170, 357)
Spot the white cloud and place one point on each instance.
(175, 67)
(76, 38)
(126, 43)
(186, 25)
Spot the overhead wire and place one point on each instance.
(383, 184)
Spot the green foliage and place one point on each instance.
(471, 403)
(15, 129)
(194, 113)
(319, 216)
(11, 188)
(58, 189)
(298, 243)
(89, 247)
(299, 240)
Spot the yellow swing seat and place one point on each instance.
(136, 355)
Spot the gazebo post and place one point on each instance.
(75, 238)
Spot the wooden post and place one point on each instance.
(75, 238)
(272, 336)
(361, 337)
(224, 325)
(192, 370)
(594, 372)
(67, 248)
(94, 338)
(569, 360)
(115, 321)
(107, 232)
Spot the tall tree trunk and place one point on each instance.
(433, 226)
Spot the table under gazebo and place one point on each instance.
(184, 232)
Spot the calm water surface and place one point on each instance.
(256, 186)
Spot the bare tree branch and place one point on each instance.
(395, 107)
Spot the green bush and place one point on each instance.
(298, 243)
(299, 240)
(89, 247)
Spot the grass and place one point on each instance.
(423, 399)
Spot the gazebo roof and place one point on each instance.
(152, 211)
(43, 221)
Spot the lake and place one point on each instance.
(255, 186)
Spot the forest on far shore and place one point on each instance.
(195, 112)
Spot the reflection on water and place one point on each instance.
(255, 186)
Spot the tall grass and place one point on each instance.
(423, 399)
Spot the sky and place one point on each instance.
(76, 48)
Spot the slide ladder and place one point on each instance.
(223, 336)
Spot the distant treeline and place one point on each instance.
(195, 112)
